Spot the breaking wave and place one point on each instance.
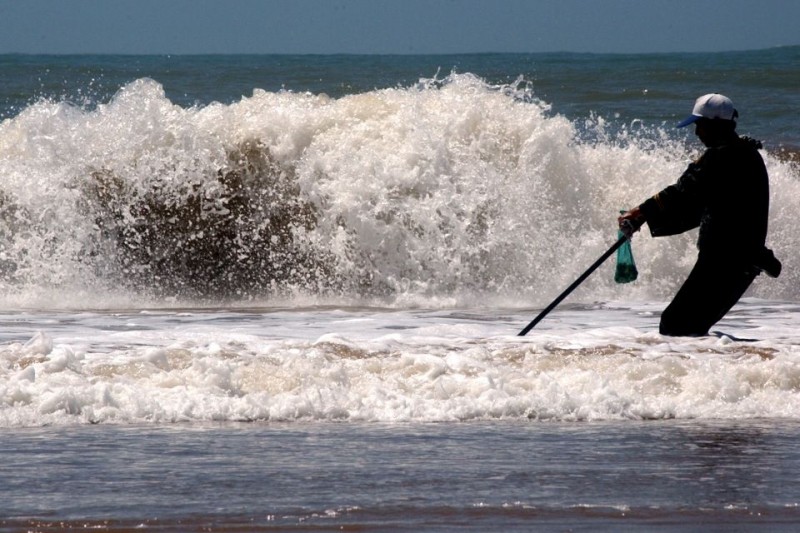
(448, 191)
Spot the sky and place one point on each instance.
(394, 26)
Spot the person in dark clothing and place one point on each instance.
(726, 193)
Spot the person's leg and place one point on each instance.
(709, 292)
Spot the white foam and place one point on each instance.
(380, 366)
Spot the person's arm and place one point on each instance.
(677, 208)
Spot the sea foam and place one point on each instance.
(373, 366)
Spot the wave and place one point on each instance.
(450, 190)
(226, 375)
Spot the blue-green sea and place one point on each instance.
(655, 89)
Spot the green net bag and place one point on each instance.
(626, 267)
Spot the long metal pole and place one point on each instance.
(572, 287)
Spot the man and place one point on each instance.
(726, 194)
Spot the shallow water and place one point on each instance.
(379, 419)
(673, 474)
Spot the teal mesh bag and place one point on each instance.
(626, 268)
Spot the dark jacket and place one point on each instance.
(726, 194)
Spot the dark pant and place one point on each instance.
(712, 288)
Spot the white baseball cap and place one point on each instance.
(711, 106)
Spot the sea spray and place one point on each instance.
(449, 190)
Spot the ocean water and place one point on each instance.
(275, 292)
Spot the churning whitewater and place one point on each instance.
(370, 365)
(449, 191)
